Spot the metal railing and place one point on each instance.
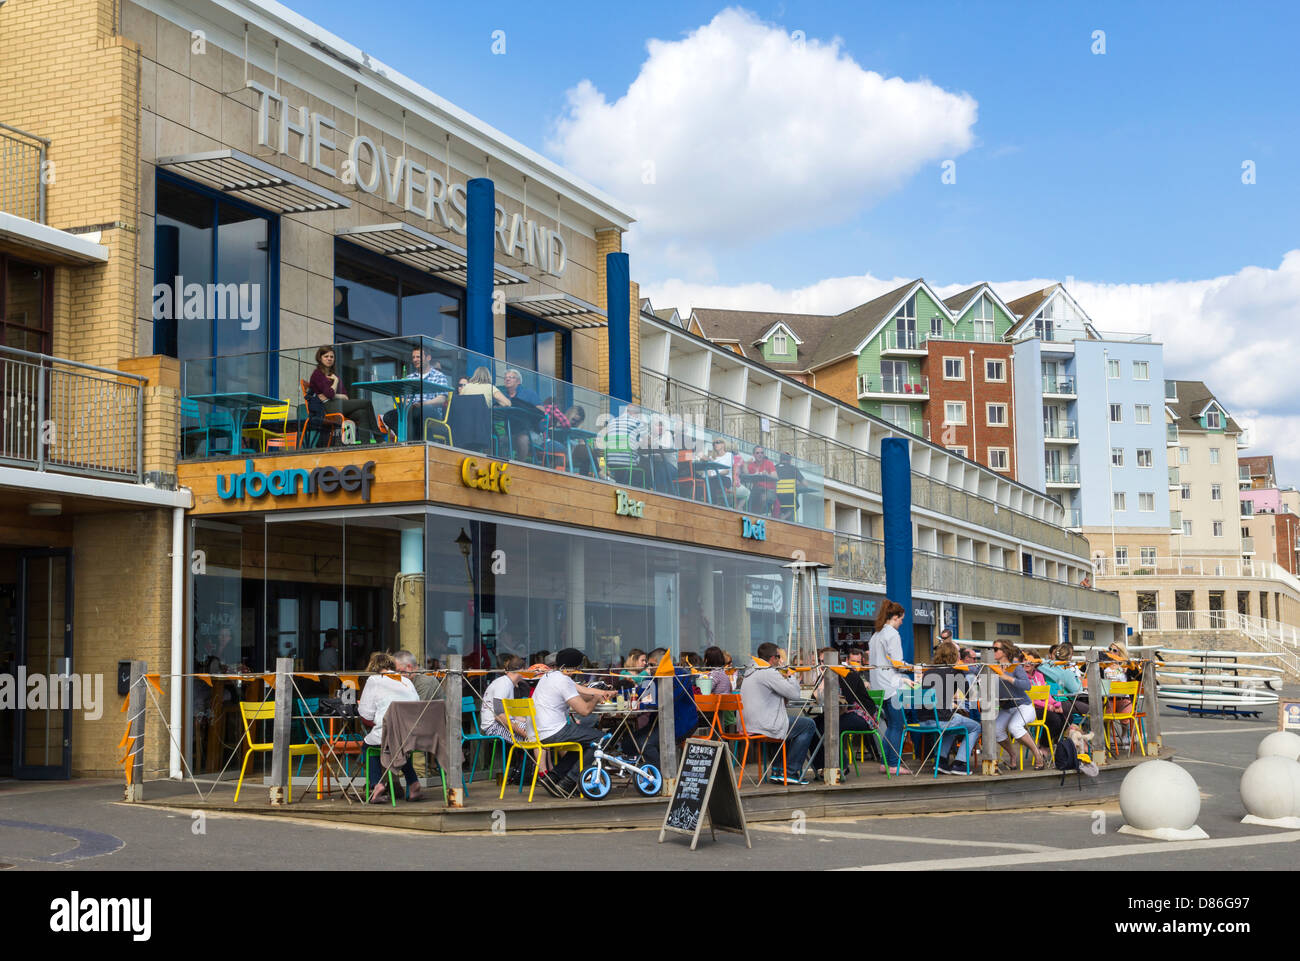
(862, 559)
(1198, 566)
(1243, 473)
(1073, 517)
(1248, 545)
(1061, 430)
(1171, 433)
(904, 340)
(22, 173)
(1058, 385)
(61, 415)
(1281, 640)
(1175, 478)
(1062, 474)
(963, 336)
(1176, 522)
(900, 386)
(852, 467)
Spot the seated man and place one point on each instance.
(765, 695)
(724, 482)
(622, 441)
(686, 717)
(556, 695)
(760, 474)
(526, 436)
(434, 393)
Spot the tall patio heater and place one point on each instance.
(807, 632)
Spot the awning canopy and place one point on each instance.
(423, 251)
(256, 181)
(50, 243)
(563, 309)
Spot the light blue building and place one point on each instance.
(1090, 420)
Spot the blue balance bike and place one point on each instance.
(596, 783)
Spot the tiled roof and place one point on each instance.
(1193, 395)
(852, 327)
(957, 301)
(1024, 306)
(746, 326)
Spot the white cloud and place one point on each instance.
(1240, 333)
(738, 131)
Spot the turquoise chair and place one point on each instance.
(215, 436)
(927, 698)
(317, 732)
(467, 706)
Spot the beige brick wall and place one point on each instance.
(63, 75)
(122, 610)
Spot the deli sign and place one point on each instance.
(399, 180)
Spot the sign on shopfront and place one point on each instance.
(627, 506)
(753, 529)
(399, 180)
(295, 480)
(492, 476)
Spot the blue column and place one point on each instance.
(480, 223)
(618, 278)
(896, 495)
(413, 550)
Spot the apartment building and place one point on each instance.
(1269, 522)
(1203, 471)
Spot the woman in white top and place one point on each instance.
(480, 385)
(380, 691)
(886, 647)
(492, 717)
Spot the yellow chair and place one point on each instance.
(787, 497)
(1039, 693)
(1111, 714)
(253, 711)
(272, 428)
(522, 708)
(438, 429)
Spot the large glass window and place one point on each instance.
(532, 344)
(215, 260)
(375, 297)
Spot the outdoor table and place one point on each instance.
(404, 388)
(571, 438)
(519, 417)
(713, 470)
(239, 403)
(425, 723)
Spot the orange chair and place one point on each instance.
(731, 702)
(686, 476)
(336, 419)
(707, 704)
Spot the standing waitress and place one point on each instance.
(325, 394)
(886, 649)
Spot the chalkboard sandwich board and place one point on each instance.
(700, 793)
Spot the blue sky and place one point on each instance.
(1122, 167)
(807, 176)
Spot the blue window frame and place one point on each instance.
(213, 241)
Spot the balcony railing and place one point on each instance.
(1062, 474)
(1175, 522)
(916, 387)
(1073, 518)
(65, 416)
(895, 340)
(1171, 433)
(1175, 481)
(1243, 475)
(650, 450)
(1195, 566)
(850, 466)
(1060, 430)
(965, 336)
(22, 173)
(862, 559)
(1247, 545)
(1059, 385)
(1171, 390)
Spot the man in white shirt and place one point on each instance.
(765, 694)
(556, 695)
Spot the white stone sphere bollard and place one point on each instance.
(1270, 788)
(1280, 744)
(1159, 795)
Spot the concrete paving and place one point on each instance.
(83, 826)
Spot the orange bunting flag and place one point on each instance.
(153, 682)
(900, 665)
(205, 678)
(841, 671)
(310, 677)
(960, 667)
(759, 662)
(269, 679)
(665, 668)
(125, 702)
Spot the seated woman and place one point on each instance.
(716, 662)
(325, 396)
(1115, 666)
(1015, 711)
(858, 711)
(380, 691)
(1054, 715)
(480, 385)
(959, 728)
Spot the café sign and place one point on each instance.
(493, 476)
(294, 480)
(400, 180)
(753, 529)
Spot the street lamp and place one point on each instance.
(465, 544)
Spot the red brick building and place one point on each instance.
(972, 401)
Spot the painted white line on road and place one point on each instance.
(1061, 857)
(906, 838)
(1192, 760)
(1217, 730)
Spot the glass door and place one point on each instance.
(893, 375)
(43, 728)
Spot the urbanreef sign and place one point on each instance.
(399, 180)
(296, 480)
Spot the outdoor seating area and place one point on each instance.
(354, 746)
(422, 390)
